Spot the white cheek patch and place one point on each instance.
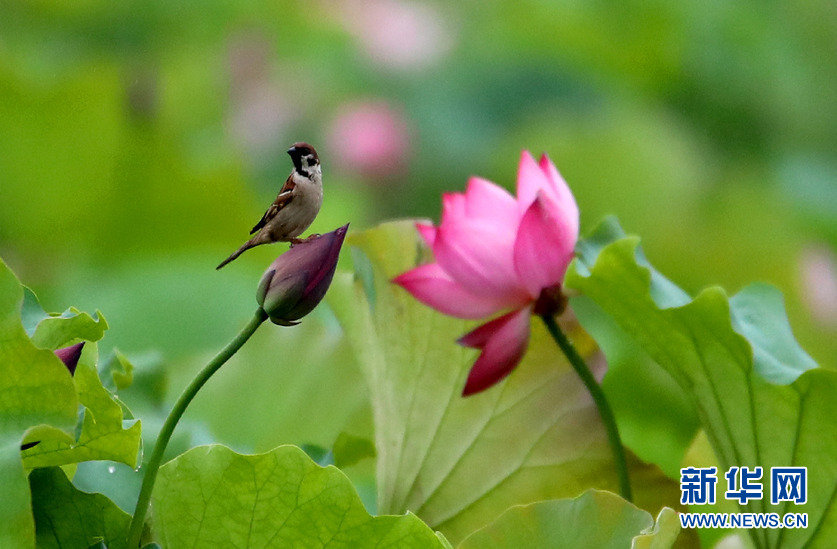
(308, 161)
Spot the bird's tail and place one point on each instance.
(246, 246)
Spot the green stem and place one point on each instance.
(601, 403)
(186, 397)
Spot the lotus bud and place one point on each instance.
(297, 281)
(70, 355)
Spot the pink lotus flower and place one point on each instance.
(497, 253)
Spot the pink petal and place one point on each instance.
(480, 257)
(427, 232)
(433, 287)
(503, 342)
(530, 179)
(453, 207)
(564, 198)
(544, 247)
(486, 201)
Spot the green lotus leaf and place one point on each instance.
(594, 519)
(760, 398)
(213, 497)
(68, 517)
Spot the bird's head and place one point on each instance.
(304, 157)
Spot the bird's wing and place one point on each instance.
(282, 199)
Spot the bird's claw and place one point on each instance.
(295, 241)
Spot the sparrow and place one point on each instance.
(296, 205)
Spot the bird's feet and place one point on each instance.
(295, 241)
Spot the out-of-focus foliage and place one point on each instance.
(139, 142)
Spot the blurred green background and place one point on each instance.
(140, 141)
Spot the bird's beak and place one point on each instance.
(296, 157)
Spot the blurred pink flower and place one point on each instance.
(497, 253)
(261, 107)
(818, 273)
(399, 34)
(370, 138)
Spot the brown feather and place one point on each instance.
(282, 200)
(246, 246)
